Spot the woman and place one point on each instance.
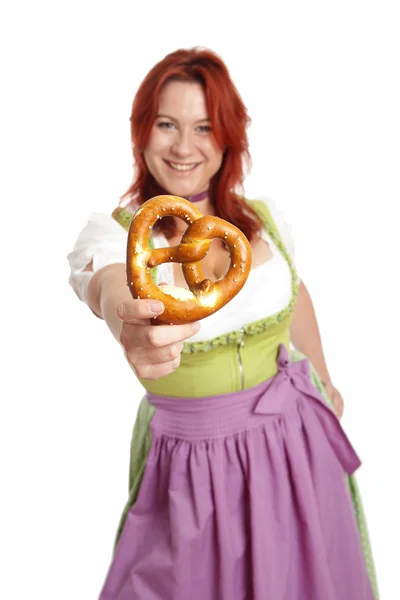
(241, 480)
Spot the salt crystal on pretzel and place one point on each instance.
(204, 297)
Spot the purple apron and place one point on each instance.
(244, 497)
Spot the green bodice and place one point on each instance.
(239, 359)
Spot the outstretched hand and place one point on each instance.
(152, 351)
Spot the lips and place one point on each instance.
(181, 167)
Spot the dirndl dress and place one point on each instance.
(245, 495)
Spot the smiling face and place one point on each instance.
(181, 152)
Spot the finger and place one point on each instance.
(154, 356)
(164, 335)
(134, 311)
(165, 353)
(341, 409)
(157, 371)
(338, 405)
(160, 285)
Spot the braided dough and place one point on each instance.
(204, 297)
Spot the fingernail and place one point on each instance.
(156, 307)
(120, 311)
(195, 327)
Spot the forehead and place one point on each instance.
(183, 101)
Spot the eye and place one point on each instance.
(165, 125)
(204, 128)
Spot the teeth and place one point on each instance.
(179, 167)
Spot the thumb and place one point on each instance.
(134, 311)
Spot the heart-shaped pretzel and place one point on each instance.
(205, 297)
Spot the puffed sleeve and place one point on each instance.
(101, 242)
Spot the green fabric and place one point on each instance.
(254, 346)
(256, 327)
(124, 218)
(354, 490)
(140, 447)
(199, 374)
(212, 367)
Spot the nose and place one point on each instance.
(184, 143)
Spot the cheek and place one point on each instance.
(214, 153)
(155, 146)
(152, 159)
(216, 159)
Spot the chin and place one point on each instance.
(177, 186)
(179, 190)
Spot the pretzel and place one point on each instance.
(203, 297)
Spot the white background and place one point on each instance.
(321, 82)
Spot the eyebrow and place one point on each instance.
(162, 116)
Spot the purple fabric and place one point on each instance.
(198, 197)
(244, 498)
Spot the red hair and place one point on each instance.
(229, 121)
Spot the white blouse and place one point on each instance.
(267, 290)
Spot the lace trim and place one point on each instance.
(262, 325)
(256, 327)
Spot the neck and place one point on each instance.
(197, 197)
(194, 198)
